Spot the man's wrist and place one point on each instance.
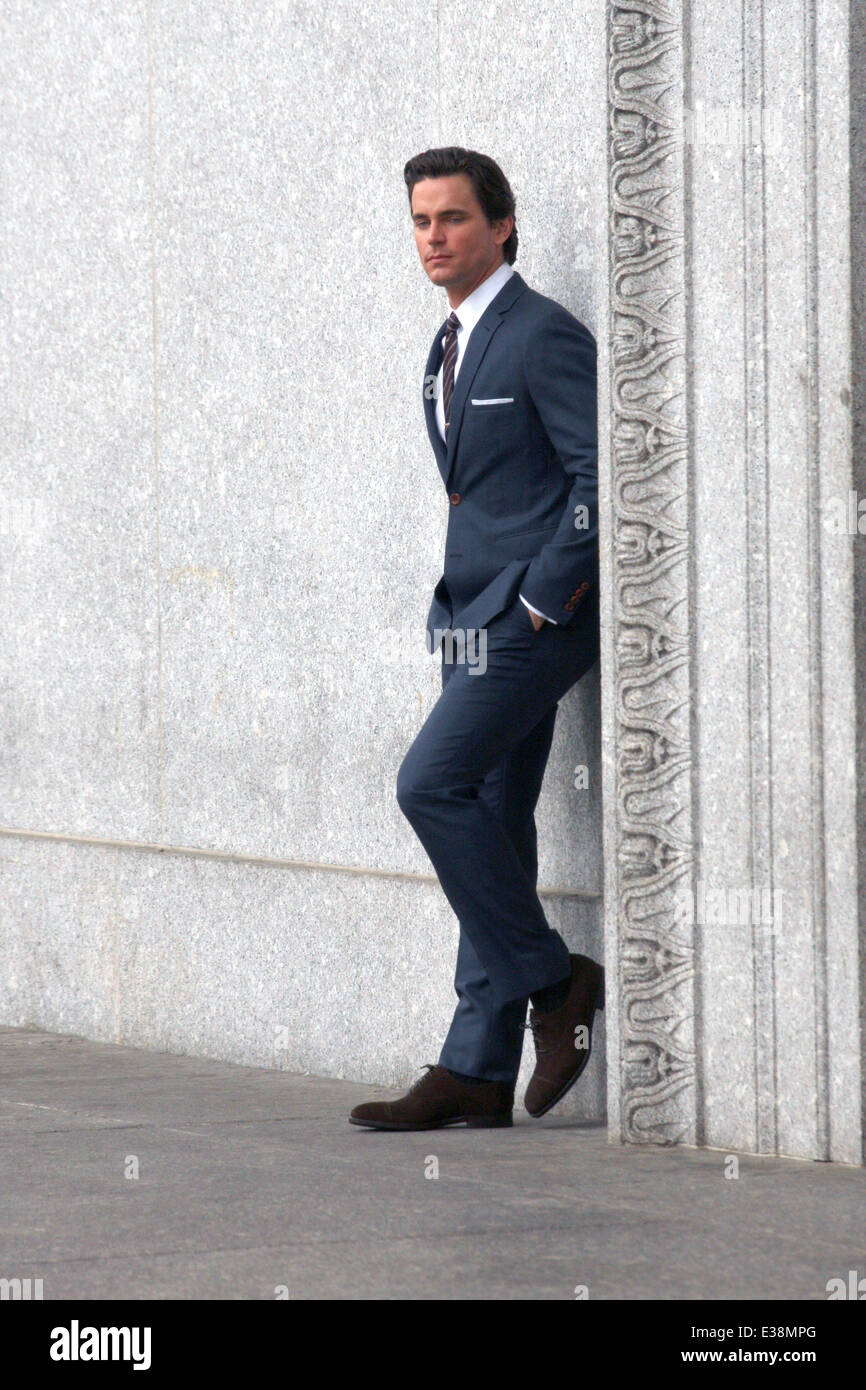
(535, 613)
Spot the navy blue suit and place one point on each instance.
(520, 469)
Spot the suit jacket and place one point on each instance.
(521, 464)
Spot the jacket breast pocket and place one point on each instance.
(490, 420)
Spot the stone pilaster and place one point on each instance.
(728, 670)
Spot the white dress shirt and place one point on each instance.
(469, 311)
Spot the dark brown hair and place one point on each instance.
(492, 188)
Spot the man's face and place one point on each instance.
(457, 245)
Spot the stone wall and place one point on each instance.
(224, 520)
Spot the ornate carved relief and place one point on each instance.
(650, 548)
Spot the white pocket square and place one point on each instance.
(493, 400)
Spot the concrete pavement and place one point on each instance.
(135, 1174)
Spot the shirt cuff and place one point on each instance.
(537, 613)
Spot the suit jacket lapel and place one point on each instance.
(434, 361)
(479, 341)
(478, 344)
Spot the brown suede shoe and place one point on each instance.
(438, 1099)
(561, 1051)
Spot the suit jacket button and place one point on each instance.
(454, 498)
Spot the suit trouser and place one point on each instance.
(469, 785)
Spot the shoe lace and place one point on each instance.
(536, 1025)
(421, 1080)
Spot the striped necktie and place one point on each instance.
(449, 357)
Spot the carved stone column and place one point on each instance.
(728, 674)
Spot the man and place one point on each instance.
(512, 421)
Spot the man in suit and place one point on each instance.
(510, 405)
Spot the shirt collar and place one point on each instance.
(473, 306)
